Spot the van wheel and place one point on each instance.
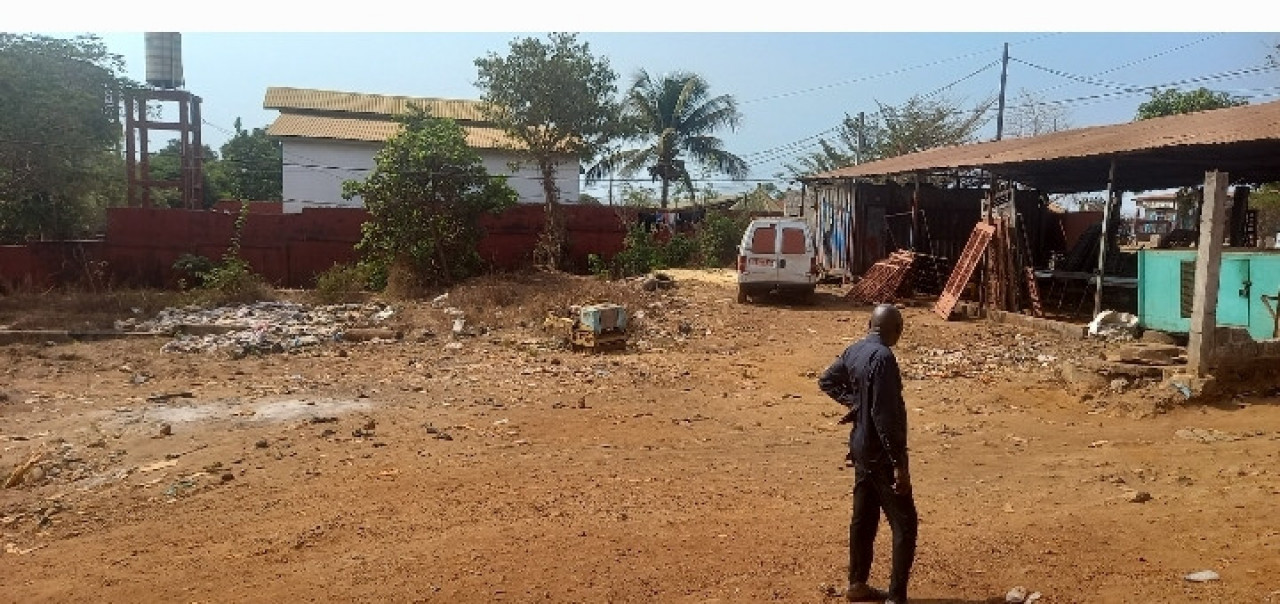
(807, 296)
(742, 295)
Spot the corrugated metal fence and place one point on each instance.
(142, 244)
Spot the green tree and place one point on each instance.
(59, 134)
(425, 198)
(166, 164)
(675, 115)
(638, 197)
(556, 100)
(253, 163)
(922, 123)
(828, 157)
(918, 124)
(1173, 102)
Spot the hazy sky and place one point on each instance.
(791, 87)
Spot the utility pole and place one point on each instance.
(862, 128)
(1004, 78)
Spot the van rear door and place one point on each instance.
(761, 257)
(793, 254)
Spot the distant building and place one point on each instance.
(1157, 215)
(1157, 206)
(329, 137)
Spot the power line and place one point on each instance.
(795, 149)
(890, 72)
(1142, 60)
(1134, 90)
(944, 88)
(861, 79)
(1070, 76)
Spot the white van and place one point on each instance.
(776, 254)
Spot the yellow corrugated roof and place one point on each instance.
(372, 130)
(285, 98)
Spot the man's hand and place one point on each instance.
(901, 481)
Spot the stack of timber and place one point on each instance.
(886, 280)
(929, 274)
(1008, 283)
(966, 265)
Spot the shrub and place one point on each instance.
(718, 239)
(342, 283)
(598, 266)
(192, 268)
(638, 253)
(677, 252)
(232, 282)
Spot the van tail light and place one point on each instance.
(813, 265)
(742, 264)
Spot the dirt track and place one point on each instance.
(701, 466)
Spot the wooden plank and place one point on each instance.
(1033, 292)
(965, 265)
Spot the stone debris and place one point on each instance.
(1205, 435)
(1019, 595)
(1203, 576)
(260, 327)
(995, 353)
(1138, 497)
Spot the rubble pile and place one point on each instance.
(258, 327)
(1018, 353)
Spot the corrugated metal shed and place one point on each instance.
(369, 129)
(1157, 153)
(311, 100)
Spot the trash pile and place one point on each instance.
(260, 327)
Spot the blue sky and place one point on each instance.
(790, 86)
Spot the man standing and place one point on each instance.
(865, 379)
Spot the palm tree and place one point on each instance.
(674, 115)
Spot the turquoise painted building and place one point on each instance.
(1248, 290)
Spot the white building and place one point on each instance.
(329, 137)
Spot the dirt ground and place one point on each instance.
(700, 465)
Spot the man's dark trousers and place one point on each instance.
(872, 492)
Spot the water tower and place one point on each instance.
(164, 60)
(164, 85)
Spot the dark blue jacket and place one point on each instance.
(865, 378)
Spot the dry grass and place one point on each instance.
(74, 309)
(511, 300)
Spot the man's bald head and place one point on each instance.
(886, 321)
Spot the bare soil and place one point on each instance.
(700, 465)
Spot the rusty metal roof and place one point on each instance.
(1157, 153)
(307, 99)
(371, 129)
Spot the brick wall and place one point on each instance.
(1233, 347)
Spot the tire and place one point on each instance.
(742, 295)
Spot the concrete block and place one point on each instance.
(1147, 353)
(1158, 337)
(1081, 380)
